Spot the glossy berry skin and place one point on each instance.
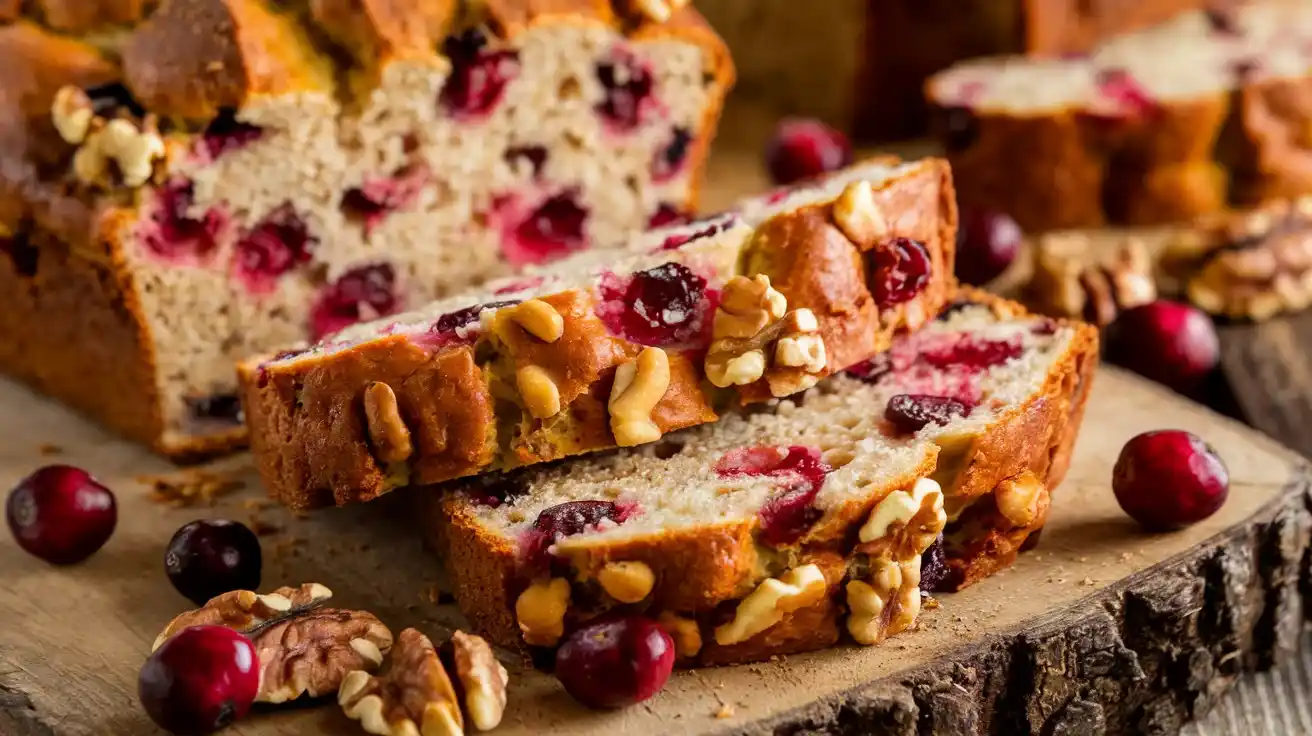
(61, 514)
(988, 243)
(804, 149)
(615, 662)
(1169, 479)
(210, 557)
(1172, 343)
(200, 680)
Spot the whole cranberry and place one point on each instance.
(1169, 479)
(615, 662)
(1172, 343)
(804, 149)
(210, 557)
(200, 680)
(61, 514)
(987, 243)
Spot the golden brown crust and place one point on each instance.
(1034, 440)
(81, 16)
(379, 31)
(813, 263)
(1186, 159)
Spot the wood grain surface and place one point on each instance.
(1101, 619)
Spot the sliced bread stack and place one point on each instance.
(788, 527)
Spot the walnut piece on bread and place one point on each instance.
(639, 386)
(771, 601)
(414, 696)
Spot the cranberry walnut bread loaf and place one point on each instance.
(1158, 126)
(189, 182)
(861, 66)
(778, 528)
(611, 347)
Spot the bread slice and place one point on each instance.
(759, 535)
(525, 370)
(191, 182)
(1159, 125)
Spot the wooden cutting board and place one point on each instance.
(1102, 627)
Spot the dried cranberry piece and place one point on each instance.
(444, 330)
(787, 515)
(973, 352)
(536, 156)
(494, 490)
(478, 75)
(566, 520)
(176, 235)
(899, 270)
(909, 413)
(554, 229)
(367, 292)
(933, 567)
(802, 149)
(278, 244)
(219, 406)
(874, 369)
(661, 306)
(959, 128)
(376, 198)
(1129, 97)
(226, 133)
(669, 161)
(667, 215)
(674, 242)
(628, 86)
(21, 252)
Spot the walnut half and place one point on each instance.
(303, 649)
(1073, 278)
(417, 697)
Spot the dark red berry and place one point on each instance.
(200, 680)
(554, 229)
(787, 515)
(805, 149)
(224, 407)
(667, 215)
(1169, 479)
(674, 242)
(574, 517)
(446, 329)
(909, 413)
(899, 270)
(210, 557)
(669, 161)
(226, 133)
(933, 567)
(375, 199)
(175, 234)
(1124, 95)
(21, 252)
(958, 126)
(478, 75)
(874, 369)
(972, 352)
(279, 243)
(364, 293)
(615, 662)
(61, 514)
(627, 84)
(494, 490)
(1172, 343)
(662, 306)
(987, 244)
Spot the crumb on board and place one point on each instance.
(1087, 581)
(726, 711)
(263, 528)
(190, 488)
(47, 449)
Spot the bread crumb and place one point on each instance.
(46, 449)
(726, 711)
(190, 488)
(263, 528)
(256, 504)
(1087, 581)
(1126, 556)
(1084, 559)
(929, 603)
